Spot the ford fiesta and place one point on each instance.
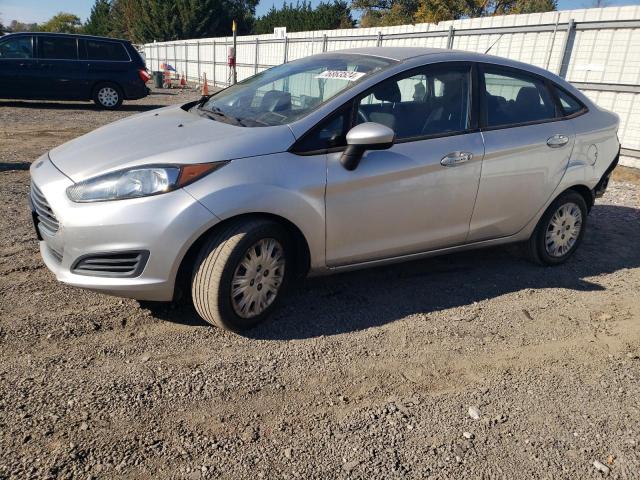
(337, 161)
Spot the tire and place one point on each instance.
(553, 246)
(108, 96)
(233, 255)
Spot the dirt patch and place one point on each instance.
(361, 375)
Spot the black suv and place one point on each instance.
(56, 66)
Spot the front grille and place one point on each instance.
(46, 218)
(123, 264)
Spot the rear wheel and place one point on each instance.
(559, 231)
(108, 96)
(241, 273)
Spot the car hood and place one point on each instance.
(164, 136)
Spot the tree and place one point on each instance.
(162, 20)
(396, 12)
(378, 13)
(62, 22)
(301, 17)
(16, 26)
(534, 6)
(124, 18)
(100, 20)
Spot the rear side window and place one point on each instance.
(110, 51)
(570, 104)
(513, 98)
(58, 48)
(20, 47)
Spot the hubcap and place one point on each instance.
(563, 230)
(108, 96)
(258, 278)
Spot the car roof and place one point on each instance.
(404, 54)
(78, 35)
(393, 53)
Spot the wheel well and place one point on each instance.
(586, 193)
(301, 250)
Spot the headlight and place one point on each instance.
(138, 182)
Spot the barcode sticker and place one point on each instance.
(342, 75)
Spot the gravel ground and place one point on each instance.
(476, 365)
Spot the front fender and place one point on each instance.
(282, 184)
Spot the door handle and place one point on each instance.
(455, 158)
(557, 141)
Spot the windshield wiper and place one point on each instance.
(217, 112)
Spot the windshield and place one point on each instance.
(288, 92)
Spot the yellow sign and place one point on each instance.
(233, 26)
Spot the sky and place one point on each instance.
(29, 11)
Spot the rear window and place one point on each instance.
(112, 51)
(58, 48)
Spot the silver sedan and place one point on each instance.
(333, 162)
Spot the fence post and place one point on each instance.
(214, 63)
(450, 37)
(185, 47)
(175, 56)
(255, 63)
(286, 49)
(198, 57)
(324, 42)
(567, 46)
(379, 42)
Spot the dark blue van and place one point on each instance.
(57, 66)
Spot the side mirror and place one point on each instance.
(363, 137)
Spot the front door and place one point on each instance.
(418, 195)
(17, 67)
(527, 150)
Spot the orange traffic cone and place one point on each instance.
(183, 81)
(205, 85)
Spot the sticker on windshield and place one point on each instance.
(342, 75)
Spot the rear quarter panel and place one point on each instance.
(596, 146)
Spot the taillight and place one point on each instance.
(144, 75)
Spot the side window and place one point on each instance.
(516, 98)
(569, 103)
(329, 133)
(20, 47)
(434, 101)
(111, 51)
(58, 48)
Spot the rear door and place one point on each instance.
(107, 61)
(17, 67)
(61, 74)
(527, 150)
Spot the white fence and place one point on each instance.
(598, 50)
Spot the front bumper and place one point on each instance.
(164, 225)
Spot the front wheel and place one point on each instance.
(559, 231)
(108, 96)
(241, 273)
